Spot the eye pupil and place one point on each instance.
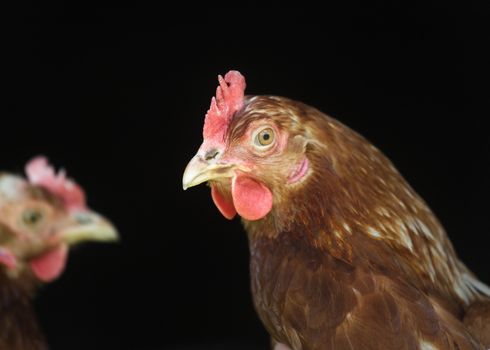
(265, 137)
(31, 217)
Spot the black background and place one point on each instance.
(117, 96)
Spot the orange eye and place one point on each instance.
(265, 137)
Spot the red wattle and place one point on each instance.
(50, 265)
(252, 199)
(224, 206)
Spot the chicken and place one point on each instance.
(39, 219)
(344, 253)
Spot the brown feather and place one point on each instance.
(351, 257)
(18, 322)
(477, 320)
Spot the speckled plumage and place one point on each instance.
(349, 257)
(352, 257)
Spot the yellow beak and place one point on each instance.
(199, 170)
(87, 226)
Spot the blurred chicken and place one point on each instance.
(344, 253)
(39, 219)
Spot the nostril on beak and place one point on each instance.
(83, 219)
(211, 154)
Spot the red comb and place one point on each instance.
(40, 173)
(229, 99)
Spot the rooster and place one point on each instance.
(344, 253)
(39, 219)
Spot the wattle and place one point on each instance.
(251, 199)
(50, 265)
(224, 205)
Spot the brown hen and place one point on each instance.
(344, 253)
(40, 218)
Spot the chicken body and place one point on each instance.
(19, 329)
(39, 219)
(344, 253)
(352, 258)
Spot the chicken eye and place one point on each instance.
(265, 137)
(32, 217)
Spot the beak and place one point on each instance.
(199, 170)
(87, 226)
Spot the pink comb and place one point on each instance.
(40, 173)
(229, 99)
